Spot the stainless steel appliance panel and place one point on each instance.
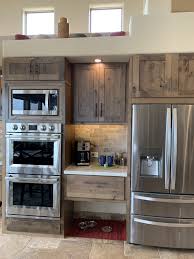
(162, 205)
(35, 102)
(151, 143)
(38, 154)
(182, 159)
(162, 232)
(32, 196)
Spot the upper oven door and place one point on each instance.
(34, 102)
(33, 154)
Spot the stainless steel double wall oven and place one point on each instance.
(33, 148)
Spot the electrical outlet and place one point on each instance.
(94, 154)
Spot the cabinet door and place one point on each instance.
(49, 68)
(18, 69)
(183, 76)
(151, 75)
(86, 93)
(112, 104)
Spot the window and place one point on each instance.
(105, 19)
(39, 22)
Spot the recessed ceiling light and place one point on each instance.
(97, 60)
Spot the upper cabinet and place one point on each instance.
(43, 68)
(112, 93)
(99, 93)
(151, 75)
(85, 80)
(183, 75)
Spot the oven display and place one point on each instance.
(30, 194)
(32, 127)
(33, 153)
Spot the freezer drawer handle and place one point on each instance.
(164, 224)
(174, 149)
(146, 198)
(167, 148)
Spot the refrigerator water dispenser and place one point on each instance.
(150, 166)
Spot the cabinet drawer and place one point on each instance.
(96, 187)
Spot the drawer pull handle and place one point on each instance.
(180, 201)
(164, 224)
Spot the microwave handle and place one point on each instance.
(47, 101)
(31, 180)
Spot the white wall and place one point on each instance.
(77, 11)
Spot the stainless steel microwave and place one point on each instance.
(35, 102)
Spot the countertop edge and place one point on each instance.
(95, 173)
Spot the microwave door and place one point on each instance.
(151, 140)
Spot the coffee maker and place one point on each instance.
(82, 153)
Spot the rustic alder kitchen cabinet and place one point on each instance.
(94, 187)
(163, 75)
(40, 68)
(100, 93)
(183, 75)
(151, 75)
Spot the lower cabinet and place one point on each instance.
(95, 187)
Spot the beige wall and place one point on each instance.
(155, 7)
(76, 11)
(182, 6)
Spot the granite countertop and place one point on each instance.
(96, 170)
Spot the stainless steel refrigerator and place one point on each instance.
(162, 175)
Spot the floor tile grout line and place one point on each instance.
(17, 253)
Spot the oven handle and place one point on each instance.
(30, 137)
(31, 180)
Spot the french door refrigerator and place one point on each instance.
(162, 176)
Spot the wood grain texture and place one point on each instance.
(97, 187)
(185, 82)
(151, 75)
(100, 93)
(33, 226)
(33, 68)
(85, 80)
(113, 103)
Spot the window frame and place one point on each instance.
(26, 12)
(106, 8)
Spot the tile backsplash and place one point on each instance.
(104, 138)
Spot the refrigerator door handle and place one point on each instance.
(174, 149)
(167, 148)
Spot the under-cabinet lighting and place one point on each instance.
(97, 60)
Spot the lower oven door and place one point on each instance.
(33, 154)
(33, 196)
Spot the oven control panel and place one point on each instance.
(33, 128)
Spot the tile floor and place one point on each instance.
(13, 246)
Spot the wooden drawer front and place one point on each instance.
(96, 187)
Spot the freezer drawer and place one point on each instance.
(162, 205)
(162, 232)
